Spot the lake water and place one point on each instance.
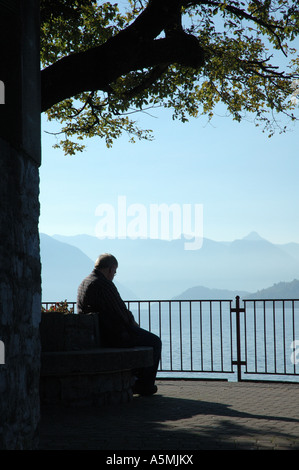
(199, 338)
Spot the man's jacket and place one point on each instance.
(97, 294)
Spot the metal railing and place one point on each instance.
(220, 339)
(196, 335)
(270, 331)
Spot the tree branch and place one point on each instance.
(147, 81)
(134, 48)
(241, 14)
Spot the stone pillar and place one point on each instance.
(20, 291)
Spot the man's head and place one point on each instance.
(107, 264)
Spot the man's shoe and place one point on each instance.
(146, 392)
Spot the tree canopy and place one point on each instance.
(105, 61)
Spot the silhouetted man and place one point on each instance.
(118, 328)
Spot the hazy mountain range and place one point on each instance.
(280, 290)
(158, 269)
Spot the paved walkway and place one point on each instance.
(184, 415)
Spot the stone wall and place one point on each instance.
(96, 389)
(20, 292)
(77, 371)
(20, 299)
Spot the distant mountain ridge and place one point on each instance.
(159, 269)
(63, 268)
(205, 293)
(253, 236)
(281, 290)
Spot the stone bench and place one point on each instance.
(77, 371)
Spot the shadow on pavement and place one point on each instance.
(154, 423)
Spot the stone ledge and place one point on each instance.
(96, 377)
(95, 361)
(76, 371)
(87, 390)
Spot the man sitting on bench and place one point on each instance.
(118, 328)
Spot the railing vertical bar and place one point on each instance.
(149, 315)
(201, 344)
(245, 338)
(238, 339)
(274, 336)
(181, 338)
(284, 336)
(294, 337)
(160, 331)
(265, 337)
(191, 330)
(138, 304)
(231, 335)
(211, 333)
(160, 321)
(255, 335)
(221, 334)
(160, 325)
(170, 336)
(238, 362)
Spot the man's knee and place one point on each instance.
(156, 341)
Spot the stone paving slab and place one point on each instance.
(182, 416)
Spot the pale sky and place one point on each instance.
(244, 180)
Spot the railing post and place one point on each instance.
(238, 362)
